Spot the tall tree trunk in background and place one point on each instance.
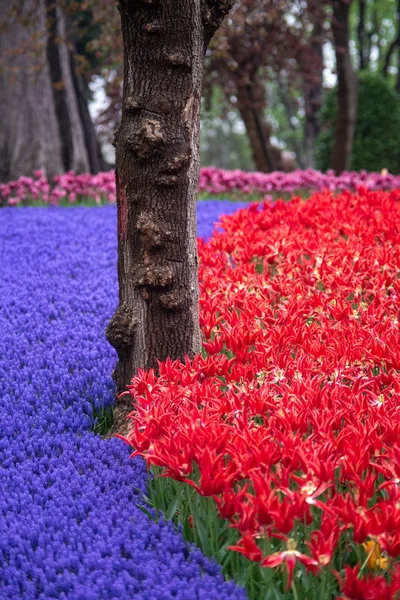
(29, 135)
(347, 89)
(398, 72)
(398, 47)
(393, 46)
(361, 36)
(91, 140)
(251, 103)
(313, 94)
(157, 171)
(72, 136)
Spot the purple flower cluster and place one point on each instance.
(69, 525)
(101, 187)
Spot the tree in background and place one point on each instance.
(279, 68)
(45, 114)
(270, 40)
(395, 44)
(157, 171)
(376, 142)
(311, 61)
(347, 88)
(29, 136)
(268, 60)
(241, 53)
(84, 62)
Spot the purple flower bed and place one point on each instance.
(69, 527)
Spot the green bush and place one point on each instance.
(377, 136)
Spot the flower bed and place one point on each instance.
(69, 526)
(70, 188)
(290, 421)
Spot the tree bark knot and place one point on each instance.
(174, 300)
(178, 162)
(121, 329)
(152, 27)
(151, 233)
(131, 103)
(152, 276)
(147, 137)
(177, 59)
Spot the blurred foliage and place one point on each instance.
(377, 136)
(266, 42)
(223, 140)
(380, 30)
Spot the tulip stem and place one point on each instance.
(366, 561)
(294, 590)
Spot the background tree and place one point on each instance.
(241, 52)
(347, 88)
(29, 136)
(376, 143)
(311, 61)
(271, 60)
(288, 44)
(47, 124)
(157, 171)
(395, 44)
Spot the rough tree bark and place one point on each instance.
(29, 136)
(251, 103)
(157, 171)
(347, 89)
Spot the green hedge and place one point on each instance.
(377, 137)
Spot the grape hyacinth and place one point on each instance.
(69, 525)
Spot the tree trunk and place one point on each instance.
(313, 95)
(398, 70)
(251, 103)
(72, 136)
(394, 44)
(29, 135)
(91, 140)
(361, 38)
(347, 89)
(157, 171)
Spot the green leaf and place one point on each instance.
(172, 509)
(146, 512)
(203, 536)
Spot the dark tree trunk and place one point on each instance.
(65, 100)
(91, 140)
(363, 57)
(251, 103)
(29, 136)
(393, 46)
(398, 71)
(313, 95)
(157, 171)
(347, 89)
